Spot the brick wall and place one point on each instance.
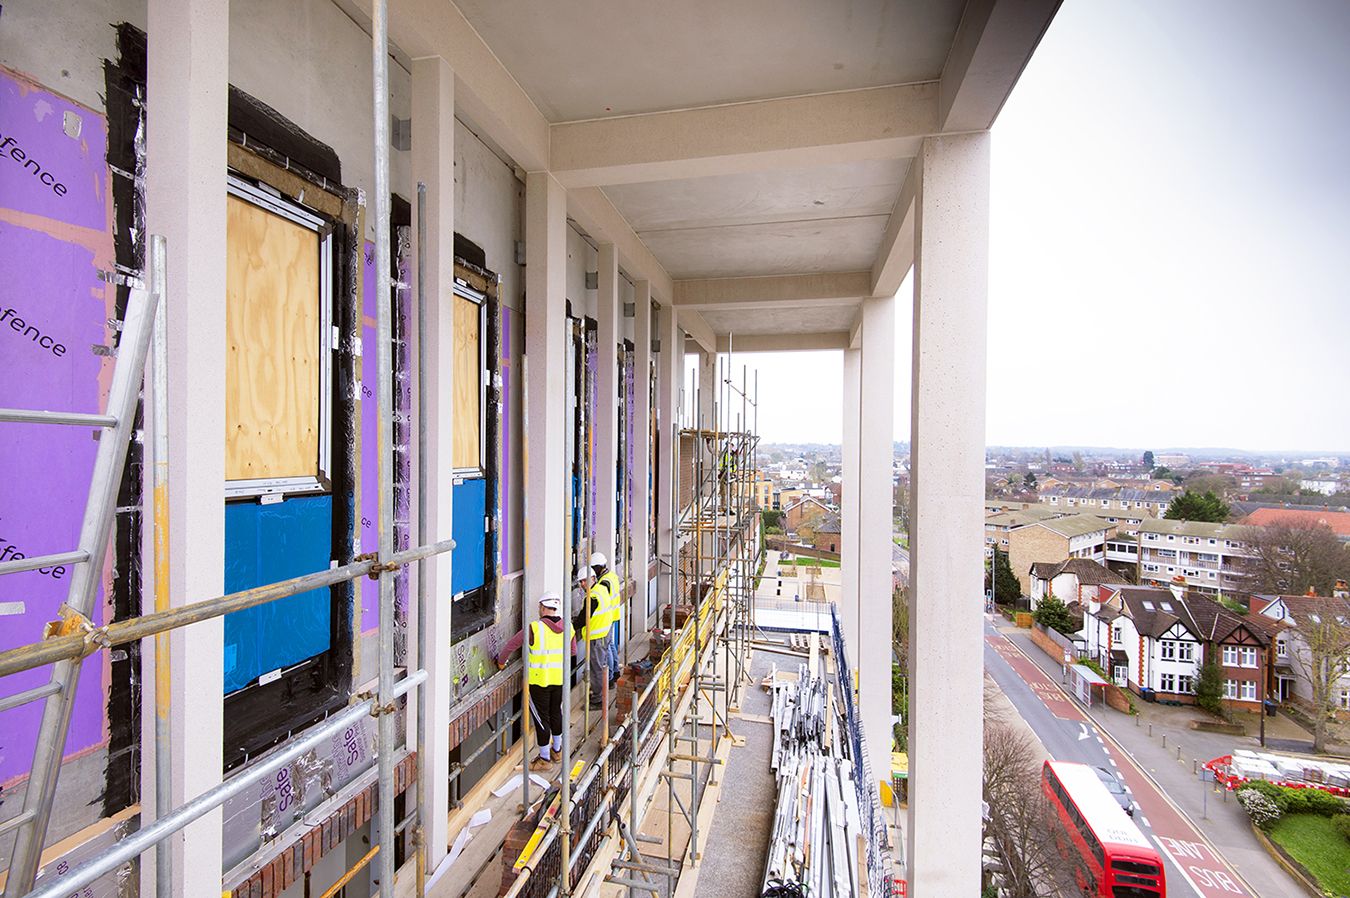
(298, 858)
(1027, 545)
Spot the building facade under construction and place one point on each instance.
(336, 332)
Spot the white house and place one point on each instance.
(1070, 580)
(1292, 657)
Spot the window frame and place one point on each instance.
(297, 214)
(461, 290)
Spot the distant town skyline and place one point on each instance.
(1170, 208)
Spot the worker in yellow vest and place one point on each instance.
(549, 638)
(595, 619)
(614, 594)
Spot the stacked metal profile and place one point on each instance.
(816, 828)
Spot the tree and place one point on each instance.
(1162, 472)
(1191, 506)
(1078, 461)
(1209, 687)
(1221, 485)
(1148, 459)
(1019, 814)
(1295, 556)
(1030, 481)
(771, 519)
(1053, 613)
(1007, 589)
(900, 666)
(1322, 659)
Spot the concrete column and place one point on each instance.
(609, 320)
(187, 75)
(433, 163)
(946, 520)
(545, 387)
(849, 500)
(876, 453)
(669, 376)
(641, 473)
(708, 391)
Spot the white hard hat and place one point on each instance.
(551, 601)
(598, 560)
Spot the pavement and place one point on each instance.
(1160, 743)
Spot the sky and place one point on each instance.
(1169, 238)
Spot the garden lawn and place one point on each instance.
(1311, 840)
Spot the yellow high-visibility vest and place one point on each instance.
(615, 606)
(546, 654)
(603, 597)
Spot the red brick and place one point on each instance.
(266, 879)
(287, 868)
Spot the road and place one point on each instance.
(1195, 868)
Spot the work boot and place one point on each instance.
(541, 765)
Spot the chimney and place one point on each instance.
(1340, 591)
(1178, 587)
(1312, 591)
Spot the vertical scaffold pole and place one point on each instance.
(160, 502)
(423, 787)
(384, 366)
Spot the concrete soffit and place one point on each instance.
(814, 342)
(772, 292)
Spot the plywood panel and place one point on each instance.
(272, 346)
(468, 383)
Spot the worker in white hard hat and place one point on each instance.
(549, 638)
(594, 619)
(614, 593)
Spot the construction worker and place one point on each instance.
(548, 641)
(595, 619)
(614, 593)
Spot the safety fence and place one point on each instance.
(869, 798)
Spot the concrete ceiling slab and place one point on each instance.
(798, 247)
(598, 58)
(763, 322)
(842, 190)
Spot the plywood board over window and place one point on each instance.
(468, 388)
(273, 368)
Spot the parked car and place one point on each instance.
(1117, 789)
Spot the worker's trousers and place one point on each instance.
(546, 712)
(597, 665)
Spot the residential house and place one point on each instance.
(1154, 640)
(1072, 536)
(1210, 558)
(802, 512)
(1100, 501)
(998, 526)
(1292, 655)
(822, 532)
(1338, 521)
(1070, 580)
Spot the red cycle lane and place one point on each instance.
(1208, 874)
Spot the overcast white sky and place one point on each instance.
(1170, 238)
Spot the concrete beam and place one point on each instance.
(783, 342)
(790, 291)
(855, 331)
(896, 255)
(188, 74)
(697, 328)
(486, 93)
(951, 287)
(433, 163)
(993, 45)
(596, 215)
(789, 132)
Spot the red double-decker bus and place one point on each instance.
(1112, 859)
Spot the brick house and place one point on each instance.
(803, 511)
(1072, 536)
(825, 532)
(1155, 640)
